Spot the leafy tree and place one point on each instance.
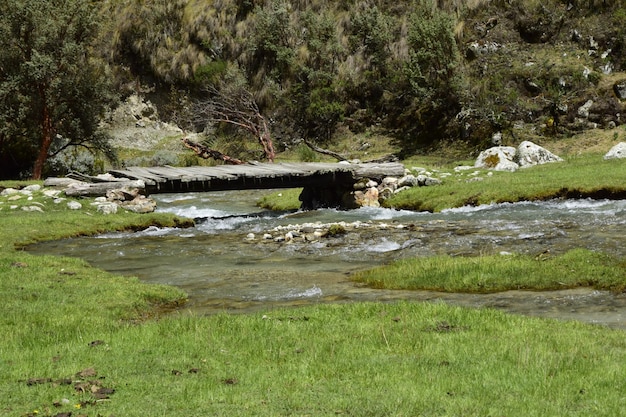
(371, 33)
(429, 91)
(316, 93)
(273, 40)
(52, 93)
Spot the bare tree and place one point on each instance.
(236, 106)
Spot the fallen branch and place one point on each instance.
(208, 153)
(325, 151)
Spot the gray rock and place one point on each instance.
(583, 111)
(9, 191)
(32, 208)
(387, 192)
(498, 158)
(408, 181)
(59, 182)
(476, 49)
(74, 205)
(530, 154)
(432, 181)
(617, 151)
(461, 168)
(619, 88)
(421, 180)
(140, 204)
(52, 193)
(107, 208)
(32, 188)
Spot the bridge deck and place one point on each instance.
(255, 176)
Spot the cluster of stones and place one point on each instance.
(24, 198)
(312, 232)
(527, 154)
(370, 193)
(14, 196)
(117, 194)
(508, 158)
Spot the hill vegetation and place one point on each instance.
(421, 72)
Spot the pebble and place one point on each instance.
(32, 208)
(74, 205)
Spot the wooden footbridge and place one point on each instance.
(324, 183)
(168, 179)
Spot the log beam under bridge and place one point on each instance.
(324, 184)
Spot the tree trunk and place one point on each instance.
(47, 131)
(266, 141)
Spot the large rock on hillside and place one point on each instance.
(617, 151)
(619, 88)
(507, 158)
(135, 124)
(529, 154)
(498, 158)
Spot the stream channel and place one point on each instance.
(229, 263)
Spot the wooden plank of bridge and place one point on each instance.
(138, 173)
(201, 177)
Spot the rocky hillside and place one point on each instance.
(478, 72)
(422, 73)
(544, 69)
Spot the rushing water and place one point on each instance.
(226, 263)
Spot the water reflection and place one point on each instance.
(227, 264)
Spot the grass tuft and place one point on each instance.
(484, 274)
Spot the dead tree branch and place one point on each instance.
(208, 153)
(324, 151)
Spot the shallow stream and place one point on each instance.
(226, 263)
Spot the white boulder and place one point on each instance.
(530, 154)
(617, 151)
(498, 158)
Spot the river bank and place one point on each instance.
(67, 320)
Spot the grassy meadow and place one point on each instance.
(83, 342)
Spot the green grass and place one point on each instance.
(577, 177)
(580, 176)
(576, 268)
(77, 339)
(283, 200)
(356, 359)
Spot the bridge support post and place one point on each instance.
(333, 196)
